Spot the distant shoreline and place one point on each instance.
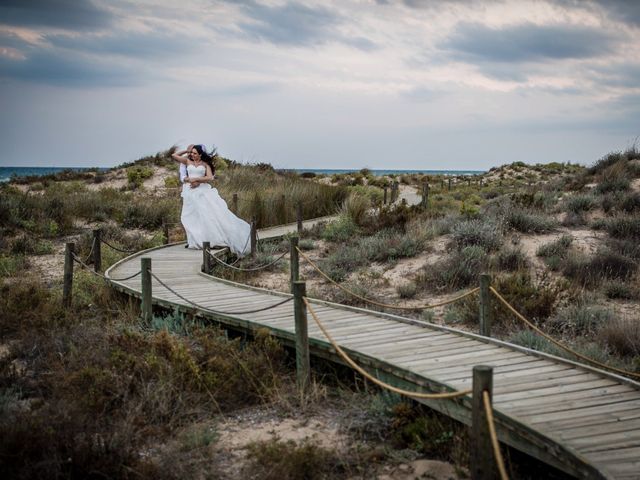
(7, 173)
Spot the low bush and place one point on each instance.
(604, 264)
(528, 222)
(627, 227)
(555, 252)
(580, 319)
(616, 289)
(341, 230)
(476, 233)
(459, 270)
(621, 335)
(136, 175)
(580, 203)
(511, 259)
(407, 290)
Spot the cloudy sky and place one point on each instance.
(319, 84)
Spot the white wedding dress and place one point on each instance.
(206, 217)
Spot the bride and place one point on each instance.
(205, 215)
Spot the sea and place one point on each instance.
(6, 173)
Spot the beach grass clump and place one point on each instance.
(580, 203)
(12, 265)
(555, 252)
(591, 271)
(580, 319)
(525, 221)
(407, 289)
(30, 245)
(277, 459)
(137, 174)
(356, 207)
(511, 259)
(390, 245)
(621, 202)
(625, 227)
(616, 289)
(149, 214)
(340, 230)
(622, 336)
(484, 234)
(534, 341)
(536, 300)
(460, 269)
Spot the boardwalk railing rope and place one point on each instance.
(255, 269)
(102, 276)
(488, 409)
(385, 305)
(116, 248)
(556, 342)
(368, 376)
(207, 309)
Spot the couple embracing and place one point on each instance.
(205, 215)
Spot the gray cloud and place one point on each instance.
(478, 43)
(128, 44)
(61, 68)
(292, 24)
(68, 14)
(627, 11)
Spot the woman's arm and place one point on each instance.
(205, 179)
(182, 156)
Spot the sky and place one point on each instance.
(407, 84)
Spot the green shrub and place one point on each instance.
(580, 319)
(530, 339)
(511, 259)
(277, 459)
(527, 222)
(138, 174)
(407, 290)
(536, 301)
(623, 227)
(621, 335)
(616, 289)
(342, 229)
(460, 269)
(476, 233)
(604, 264)
(580, 203)
(558, 248)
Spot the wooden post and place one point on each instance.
(67, 287)
(234, 204)
(146, 296)
(97, 251)
(483, 465)
(425, 194)
(384, 201)
(303, 368)
(449, 184)
(485, 305)
(442, 184)
(294, 261)
(254, 237)
(469, 181)
(206, 258)
(165, 232)
(299, 216)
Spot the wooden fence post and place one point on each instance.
(485, 305)
(449, 184)
(284, 209)
(294, 261)
(303, 368)
(165, 232)
(425, 195)
(234, 204)
(67, 287)
(384, 201)
(442, 184)
(299, 217)
(206, 258)
(97, 250)
(146, 296)
(483, 465)
(254, 237)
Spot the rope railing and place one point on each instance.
(121, 250)
(385, 305)
(240, 269)
(368, 376)
(488, 409)
(211, 310)
(558, 343)
(102, 276)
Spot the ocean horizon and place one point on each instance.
(7, 173)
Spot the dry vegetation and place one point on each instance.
(94, 392)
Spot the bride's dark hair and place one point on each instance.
(207, 157)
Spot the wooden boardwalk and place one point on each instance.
(576, 418)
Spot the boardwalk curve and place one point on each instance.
(580, 419)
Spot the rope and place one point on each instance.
(93, 244)
(262, 267)
(488, 410)
(364, 373)
(373, 302)
(556, 342)
(100, 275)
(118, 249)
(206, 309)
